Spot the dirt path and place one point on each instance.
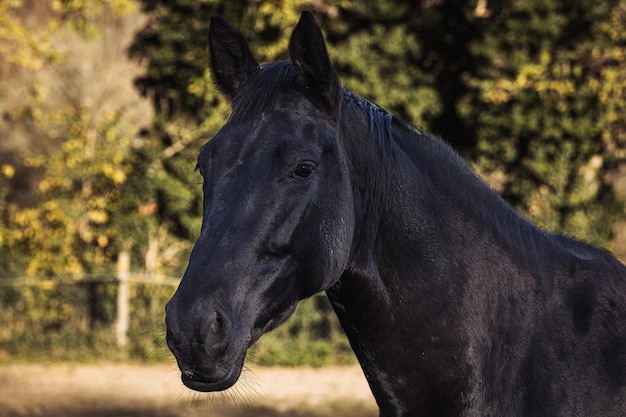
(107, 390)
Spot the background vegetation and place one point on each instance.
(105, 103)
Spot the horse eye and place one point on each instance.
(303, 171)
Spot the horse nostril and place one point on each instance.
(215, 323)
(211, 330)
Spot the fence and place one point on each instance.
(116, 315)
(120, 315)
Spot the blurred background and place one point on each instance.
(104, 105)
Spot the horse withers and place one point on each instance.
(453, 303)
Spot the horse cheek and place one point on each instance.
(335, 228)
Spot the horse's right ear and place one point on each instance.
(310, 57)
(231, 60)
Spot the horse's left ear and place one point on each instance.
(309, 56)
(231, 60)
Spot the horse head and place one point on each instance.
(278, 215)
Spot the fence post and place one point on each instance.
(123, 275)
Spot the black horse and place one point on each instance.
(453, 303)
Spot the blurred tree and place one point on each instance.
(21, 46)
(69, 229)
(409, 57)
(547, 106)
(75, 139)
(174, 46)
(532, 91)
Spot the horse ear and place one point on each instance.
(310, 58)
(231, 60)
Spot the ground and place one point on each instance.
(107, 390)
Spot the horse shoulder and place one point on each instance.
(585, 343)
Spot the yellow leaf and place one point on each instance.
(98, 216)
(119, 177)
(44, 185)
(8, 171)
(103, 241)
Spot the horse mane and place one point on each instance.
(380, 120)
(448, 173)
(421, 148)
(510, 227)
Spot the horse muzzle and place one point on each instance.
(208, 352)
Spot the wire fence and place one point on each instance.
(119, 315)
(75, 279)
(78, 317)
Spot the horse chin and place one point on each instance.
(199, 381)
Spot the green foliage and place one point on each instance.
(545, 124)
(532, 93)
(74, 319)
(20, 45)
(311, 337)
(173, 44)
(91, 182)
(70, 228)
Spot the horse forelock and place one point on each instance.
(267, 85)
(262, 89)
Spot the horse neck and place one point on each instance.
(416, 200)
(423, 220)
